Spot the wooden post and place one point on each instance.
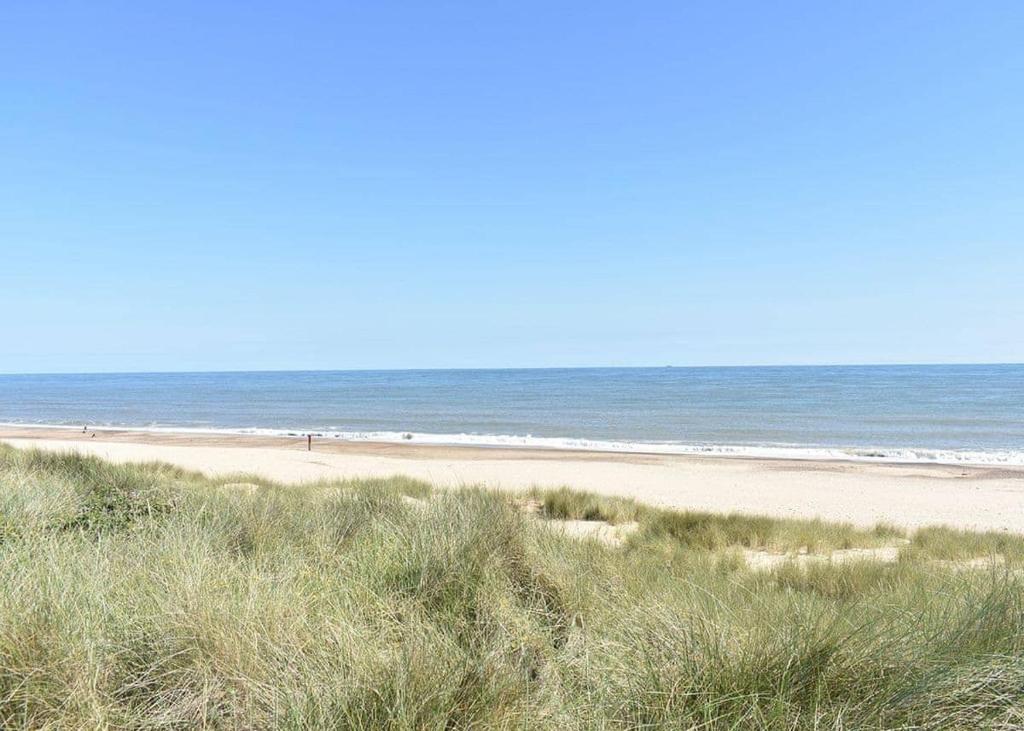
(309, 442)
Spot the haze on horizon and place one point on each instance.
(340, 186)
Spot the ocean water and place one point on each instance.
(950, 414)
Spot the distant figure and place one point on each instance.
(85, 428)
(309, 442)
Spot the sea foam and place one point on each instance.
(895, 455)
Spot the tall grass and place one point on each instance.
(147, 597)
(711, 531)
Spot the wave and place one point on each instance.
(896, 455)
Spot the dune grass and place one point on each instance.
(711, 531)
(143, 596)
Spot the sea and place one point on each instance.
(951, 414)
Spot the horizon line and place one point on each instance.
(509, 368)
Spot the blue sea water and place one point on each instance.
(948, 413)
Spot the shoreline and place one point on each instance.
(909, 495)
(1002, 458)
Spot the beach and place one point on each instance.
(907, 495)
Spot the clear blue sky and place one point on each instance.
(214, 185)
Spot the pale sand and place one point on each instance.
(864, 494)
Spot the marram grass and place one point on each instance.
(147, 597)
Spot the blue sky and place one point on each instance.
(203, 185)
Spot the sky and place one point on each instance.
(199, 185)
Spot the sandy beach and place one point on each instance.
(864, 494)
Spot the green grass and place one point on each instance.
(143, 596)
(950, 544)
(566, 504)
(710, 531)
